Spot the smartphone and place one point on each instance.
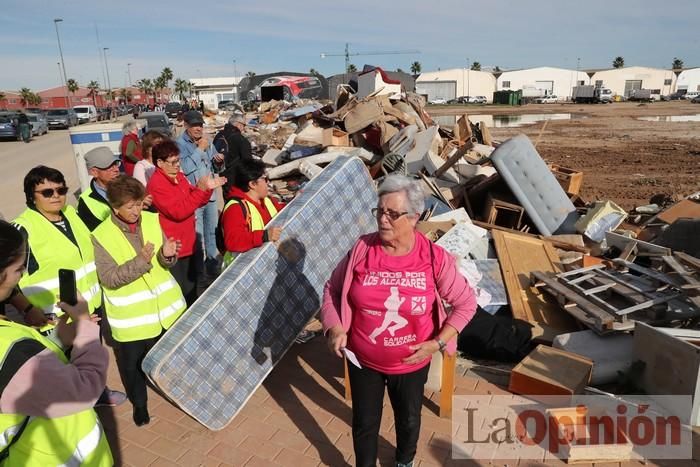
(67, 291)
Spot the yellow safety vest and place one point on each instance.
(72, 440)
(253, 219)
(100, 210)
(153, 302)
(53, 251)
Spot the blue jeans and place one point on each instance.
(207, 218)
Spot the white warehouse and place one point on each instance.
(689, 80)
(543, 81)
(622, 81)
(456, 82)
(211, 91)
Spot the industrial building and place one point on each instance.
(211, 91)
(623, 81)
(542, 81)
(456, 82)
(689, 80)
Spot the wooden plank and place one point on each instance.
(550, 371)
(691, 261)
(663, 278)
(447, 384)
(520, 255)
(556, 243)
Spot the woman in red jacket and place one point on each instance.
(130, 147)
(176, 201)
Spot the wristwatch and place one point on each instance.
(441, 343)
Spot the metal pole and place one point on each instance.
(468, 66)
(99, 54)
(109, 83)
(235, 85)
(63, 64)
(60, 79)
(128, 71)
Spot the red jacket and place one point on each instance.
(237, 234)
(128, 165)
(176, 204)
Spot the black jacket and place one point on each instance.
(238, 148)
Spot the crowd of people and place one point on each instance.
(143, 235)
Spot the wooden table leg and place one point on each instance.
(348, 394)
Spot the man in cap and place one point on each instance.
(103, 166)
(239, 148)
(199, 158)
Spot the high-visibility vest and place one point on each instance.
(143, 308)
(53, 251)
(71, 440)
(253, 219)
(98, 209)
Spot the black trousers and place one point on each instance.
(406, 395)
(185, 273)
(129, 358)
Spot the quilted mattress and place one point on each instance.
(535, 187)
(213, 359)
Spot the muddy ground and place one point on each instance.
(623, 159)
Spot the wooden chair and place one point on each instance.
(447, 383)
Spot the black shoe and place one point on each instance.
(141, 416)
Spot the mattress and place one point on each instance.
(218, 353)
(535, 187)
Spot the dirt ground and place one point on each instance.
(623, 159)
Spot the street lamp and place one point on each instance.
(60, 80)
(235, 86)
(109, 83)
(63, 64)
(128, 72)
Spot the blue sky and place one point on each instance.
(204, 38)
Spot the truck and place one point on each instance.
(589, 94)
(640, 95)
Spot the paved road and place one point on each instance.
(16, 159)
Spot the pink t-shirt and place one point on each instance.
(392, 299)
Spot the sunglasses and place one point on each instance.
(49, 192)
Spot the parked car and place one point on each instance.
(35, 110)
(61, 118)
(551, 99)
(39, 124)
(695, 100)
(85, 113)
(676, 96)
(8, 125)
(692, 95)
(477, 100)
(172, 109)
(292, 87)
(103, 113)
(437, 101)
(158, 121)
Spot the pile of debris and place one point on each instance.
(617, 290)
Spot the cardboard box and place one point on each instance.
(551, 372)
(569, 179)
(335, 137)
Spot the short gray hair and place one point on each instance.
(396, 183)
(236, 118)
(128, 126)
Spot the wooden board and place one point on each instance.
(549, 371)
(684, 208)
(519, 256)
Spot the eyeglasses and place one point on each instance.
(173, 162)
(392, 215)
(110, 166)
(49, 192)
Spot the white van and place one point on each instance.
(86, 113)
(691, 94)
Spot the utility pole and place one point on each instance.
(63, 64)
(109, 84)
(99, 55)
(60, 79)
(235, 84)
(128, 72)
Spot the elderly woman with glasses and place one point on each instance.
(176, 200)
(384, 302)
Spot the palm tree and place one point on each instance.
(416, 68)
(497, 69)
(167, 75)
(677, 63)
(399, 70)
(476, 66)
(145, 85)
(351, 68)
(619, 62)
(25, 96)
(72, 86)
(35, 99)
(125, 95)
(181, 87)
(158, 85)
(93, 89)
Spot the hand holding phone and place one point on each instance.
(67, 289)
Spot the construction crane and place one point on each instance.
(347, 54)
